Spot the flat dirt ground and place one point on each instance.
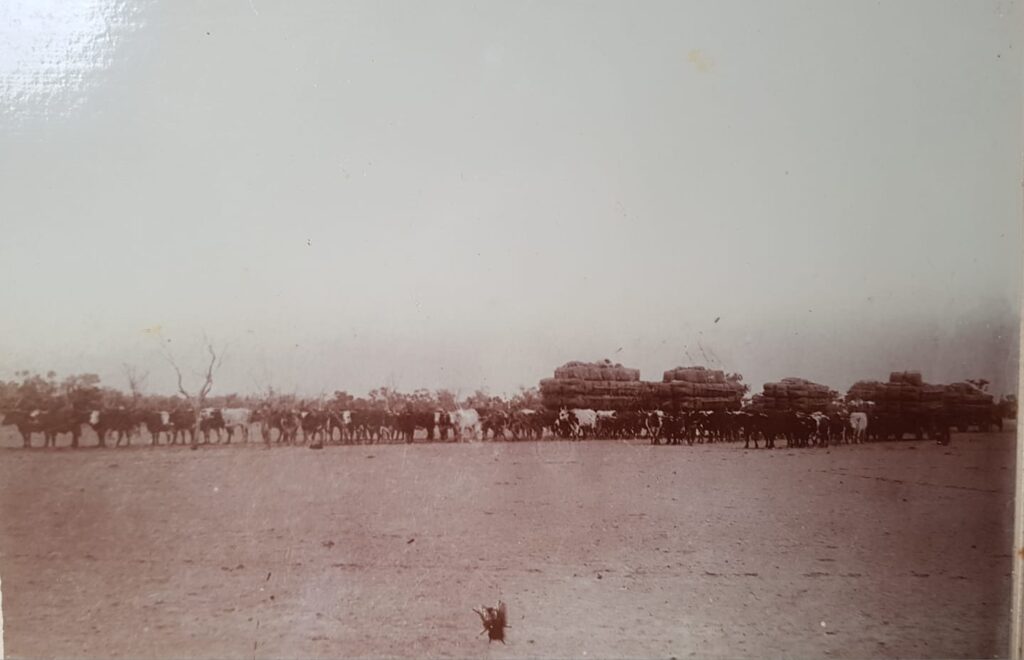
(601, 549)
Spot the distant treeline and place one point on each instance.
(34, 391)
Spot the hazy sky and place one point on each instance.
(468, 194)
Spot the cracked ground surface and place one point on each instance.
(601, 549)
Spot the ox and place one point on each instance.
(64, 420)
(288, 423)
(407, 422)
(236, 419)
(157, 422)
(605, 423)
(118, 421)
(822, 428)
(183, 422)
(525, 423)
(466, 423)
(314, 427)
(370, 425)
(340, 421)
(443, 424)
(858, 427)
(25, 421)
(494, 422)
(211, 419)
(577, 423)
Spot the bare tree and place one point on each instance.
(198, 396)
(136, 381)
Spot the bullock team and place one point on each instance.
(319, 425)
(796, 429)
(313, 425)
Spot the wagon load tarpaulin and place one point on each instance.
(607, 386)
(906, 392)
(596, 385)
(796, 395)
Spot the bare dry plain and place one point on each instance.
(601, 549)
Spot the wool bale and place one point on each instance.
(632, 375)
(694, 374)
(867, 390)
(549, 385)
(910, 393)
(625, 403)
(553, 387)
(682, 387)
(906, 377)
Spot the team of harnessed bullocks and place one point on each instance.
(797, 429)
(316, 425)
(281, 424)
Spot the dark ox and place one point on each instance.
(120, 422)
(63, 420)
(26, 421)
(407, 422)
(158, 422)
(371, 425)
(493, 422)
(314, 427)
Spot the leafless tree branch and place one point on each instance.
(136, 380)
(199, 398)
(166, 353)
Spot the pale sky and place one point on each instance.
(469, 194)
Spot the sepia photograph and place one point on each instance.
(510, 329)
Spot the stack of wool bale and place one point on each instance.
(964, 399)
(607, 386)
(795, 395)
(906, 392)
(757, 404)
(698, 388)
(596, 385)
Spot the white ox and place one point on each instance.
(580, 422)
(236, 418)
(466, 423)
(859, 426)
